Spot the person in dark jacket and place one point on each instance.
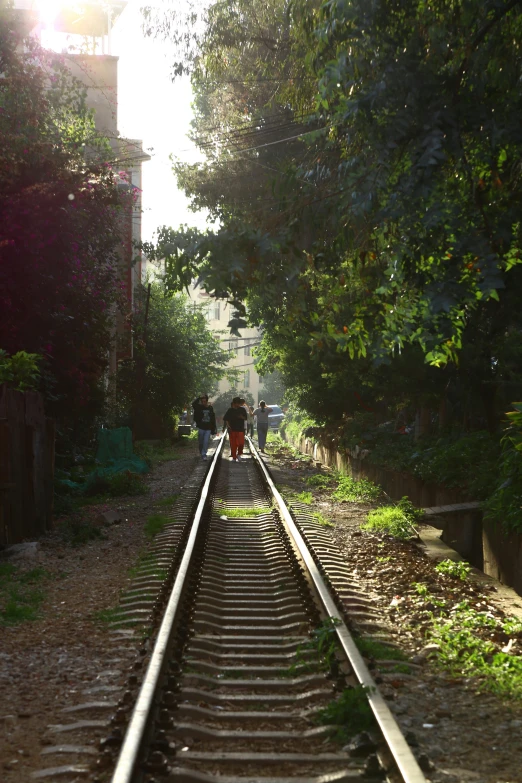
(205, 419)
(234, 421)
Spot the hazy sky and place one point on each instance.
(153, 108)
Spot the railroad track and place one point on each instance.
(234, 683)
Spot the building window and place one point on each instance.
(232, 346)
(214, 312)
(246, 380)
(247, 350)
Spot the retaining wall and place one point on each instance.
(482, 542)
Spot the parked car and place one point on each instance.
(276, 417)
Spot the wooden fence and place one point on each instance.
(26, 466)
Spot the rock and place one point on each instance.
(108, 518)
(443, 711)
(361, 745)
(373, 768)
(425, 763)
(411, 739)
(27, 551)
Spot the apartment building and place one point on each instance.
(241, 358)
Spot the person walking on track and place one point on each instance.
(261, 415)
(234, 421)
(205, 419)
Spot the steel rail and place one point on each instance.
(400, 750)
(129, 754)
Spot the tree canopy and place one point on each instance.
(363, 161)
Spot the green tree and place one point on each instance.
(222, 402)
(175, 356)
(273, 388)
(388, 234)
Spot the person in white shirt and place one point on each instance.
(261, 414)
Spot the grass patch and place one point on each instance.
(107, 615)
(155, 524)
(319, 481)
(305, 497)
(78, 530)
(350, 713)
(401, 668)
(454, 569)
(411, 512)
(21, 593)
(168, 501)
(391, 520)
(322, 520)
(254, 511)
(322, 645)
(378, 650)
(125, 483)
(473, 644)
(163, 451)
(361, 491)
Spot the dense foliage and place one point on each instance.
(362, 161)
(175, 356)
(20, 371)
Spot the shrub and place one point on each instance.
(319, 481)
(455, 569)
(155, 524)
(125, 483)
(363, 490)
(389, 519)
(411, 513)
(21, 370)
(350, 713)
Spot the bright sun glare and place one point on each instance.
(48, 10)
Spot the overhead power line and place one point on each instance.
(280, 141)
(265, 122)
